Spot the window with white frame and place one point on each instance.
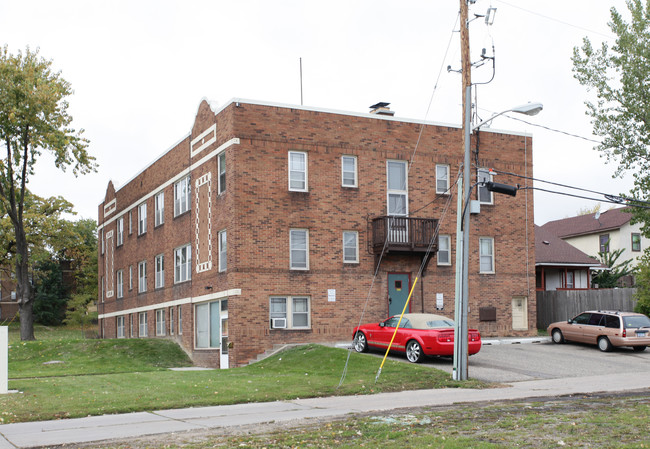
(350, 247)
(222, 172)
(142, 276)
(292, 312)
(160, 322)
(120, 231)
(349, 171)
(180, 320)
(182, 264)
(444, 250)
(159, 209)
(131, 319)
(486, 254)
(299, 249)
(142, 218)
(143, 330)
(160, 271)
(208, 323)
(171, 321)
(484, 195)
(120, 326)
(101, 236)
(397, 188)
(130, 227)
(223, 251)
(119, 279)
(182, 196)
(442, 179)
(297, 171)
(130, 277)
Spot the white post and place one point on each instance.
(4, 360)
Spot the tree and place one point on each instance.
(589, 210)
(609, 278)
(642, 294)
(78, 314)
(33, 120)
(620, 78)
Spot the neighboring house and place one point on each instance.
(560, 266)
(267, 223)
(8, 302)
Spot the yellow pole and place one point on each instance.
(397, 327)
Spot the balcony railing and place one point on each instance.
(404, 234)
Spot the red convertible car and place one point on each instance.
(419, 334)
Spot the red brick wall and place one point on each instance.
(258, 210)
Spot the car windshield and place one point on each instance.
(631, 322)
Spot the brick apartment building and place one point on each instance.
(266, 223)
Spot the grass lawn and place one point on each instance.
(126, 375)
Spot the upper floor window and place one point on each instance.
(182, 264)
(350, 247)
(120, 283)
(160, 209)
(142, 218)
(222, 172)
(484, 195)
(349, 171)
(182, 196)
(297, 171)
(444, 250)
(442, 179)
(397, 188)
(160, 271)
(223, 251)
(142, 276)
(636, 242)
(299, 249)
(603, 241)
(486, 253)
(120, 231)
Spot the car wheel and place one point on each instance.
(604, 344)
(639, 348)
(414, 351)
(360, 343)
(557, 336)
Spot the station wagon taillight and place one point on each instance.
(624, 333)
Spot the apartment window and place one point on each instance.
(208, 321)
(442, 179)
(636, 242)
(160, 271)
(160, 322)
(444, 250)
(120, 231)
(171, 321)
(349, 171)
(131, 319)
(102, 239)
(484, 195)
(297, 171)
(182, 196)
(142, 276)
(142, 317)
(604, 243)
(130, 277)
(120, 326)
(299, 249)
(397, 188)
(120, 283)
(13, 295)
(350, 247)
(180, 320)
(142, 218)
(223, 251)
(222, 172)
(130, 227)
(290, 312)
(486, 248)
(182, 264)
(159, 209)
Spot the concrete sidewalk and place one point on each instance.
(133, 425)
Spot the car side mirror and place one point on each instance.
(382, 324)
(570, 321)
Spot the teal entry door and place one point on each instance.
(398, 292)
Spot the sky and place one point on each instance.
(139, 70)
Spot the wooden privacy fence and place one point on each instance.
(560, 305)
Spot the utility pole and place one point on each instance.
(460, 371)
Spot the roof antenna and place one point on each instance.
(301, 104)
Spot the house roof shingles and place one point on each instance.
(588, 224)
(552, 250)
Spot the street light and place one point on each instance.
(462, 245)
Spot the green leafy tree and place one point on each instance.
(33, 119)
(643, 285)
(78, 313)
(609, 278)
(619, 78)
(51, 293)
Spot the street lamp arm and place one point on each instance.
(526, 109)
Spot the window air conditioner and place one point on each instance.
(278, 323)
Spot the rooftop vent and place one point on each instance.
(381, 109)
